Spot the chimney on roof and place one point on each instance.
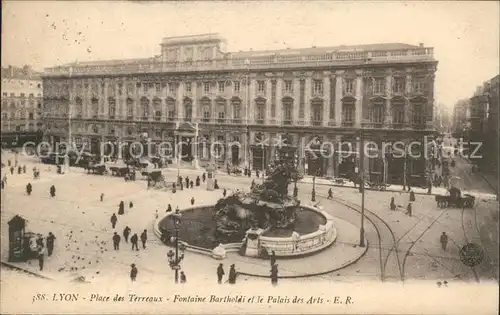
(421, 45)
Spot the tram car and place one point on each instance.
(455, 199)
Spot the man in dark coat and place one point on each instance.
(191, 183)
(116, 241)
(409, 209)
(52, 191)
(102, 197)
(393, 204)
(41, 257)
(183, 277)
(144, 238)
(192, 200)
(220, 273)
(131, 205)
(330, 194)
(181, 185)
(224, 192)
(134, 239)
(274, 274)
(121, 208)
(50, 243)
(169, 208)
(133, 272)
(203, 177)
(232, 275)
(273, 258)
(12, 170)
(216, 185)
(113, 220)
(412, 196)
(187, 182)
(443, 240)
(198, 181)
(29, 188)
(126, 233)
(24, 169)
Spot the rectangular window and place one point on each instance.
(32, 95)
(12, 94)
(221, 87)
(30, 115)
(378, 86)
(288, 86)
(145, 88)
(188, 87)
(158, 87)
(318, 86)
(349, 86)
(288, 113)
(206, 87)
(130, 89)
(206, 114)
(170, 114)
(378, 114)
(418, 87)
(4, 94)
(273, 98)
(261, 112)
(221, 115)
(399, 85)
(171, 87)
(130, 111)
(236, 112)
(236, 87)
(22, 94)
(261, 87)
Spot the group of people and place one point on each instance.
(232, 274)
(134, 240)
(409, 208)
(44, 249)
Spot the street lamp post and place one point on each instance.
(313, 195)
(247, 97)
(174, 259)
(362, 183)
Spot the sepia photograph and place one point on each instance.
(249, 157)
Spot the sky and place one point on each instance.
(465, 35)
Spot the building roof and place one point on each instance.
(24, 73)
(319, 50)
(252, 53)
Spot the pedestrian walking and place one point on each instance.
(12, 170)
(216, 185)
(224, 192)
(144, 238)
(330, 194)
(274, 274)
(169, 208)
(179, 180)
(393, 204)
(116, 241)
(220, 273)
(121, 208)
(9, 162)
(232, 275)
(181, 185)
(102, 197)
(203, 177)
(126, 233)
(252, 185)
(192, 200)
(131, 205)
(19, 170)
(24, 169)
(29, 188)
(133, 272)
(50, 243)
(444, 241)
(183, 277)
(409, 209)
(197, 181)
(134, 240)
(412, 196)
(187, 181)
(113, 220)
(273, 258)
(41, 257)
(52, 191)
(191, 183)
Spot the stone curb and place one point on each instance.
(313, 274)
(12, 266)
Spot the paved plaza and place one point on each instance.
(83, 230)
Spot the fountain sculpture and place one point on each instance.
(267, 205)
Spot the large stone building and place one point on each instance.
(197, 93)
(21, 99)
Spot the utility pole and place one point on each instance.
(362, 183)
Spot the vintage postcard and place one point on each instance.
(261, 157)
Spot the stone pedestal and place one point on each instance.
(253, 242)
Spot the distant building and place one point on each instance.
(461, 115)
(197, 93)
(21, 99)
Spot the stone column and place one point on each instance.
(326, 99)
(105, 107)
(338, 97)
(296, 99)
(359, 98)
(307, 108)
(179, 100)
(194, 106)
(251, 103)
(279, 107)
(137, 99)
(408, 114)
(388, 103)
(268, 117)
(87, 102)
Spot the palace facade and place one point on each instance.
(196, 93)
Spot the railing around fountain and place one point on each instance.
(304, 244)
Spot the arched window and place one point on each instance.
(221, 109)
(157, 108)
(398, 112)
(377, 111)
(112, 107)
(418, 113)
(145, 108)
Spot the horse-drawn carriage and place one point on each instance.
(119, 171)
(455, 199)
(99, 169)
